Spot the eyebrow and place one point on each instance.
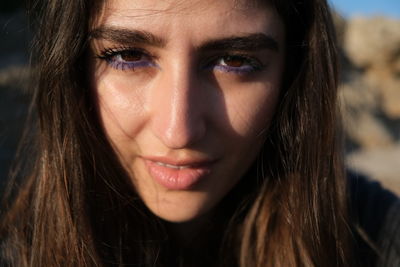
(255, 41)
(127, 36)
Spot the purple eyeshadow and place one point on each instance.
(240, 70)
(120, 65)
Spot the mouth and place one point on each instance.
(178, 175)
(178, 167)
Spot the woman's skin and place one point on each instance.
(192, 84)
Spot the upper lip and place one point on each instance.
(181, 162)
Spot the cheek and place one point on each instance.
(250, 109)
(121, 108)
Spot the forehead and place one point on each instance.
(152, 7)
(195, 17)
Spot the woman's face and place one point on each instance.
(186, 91)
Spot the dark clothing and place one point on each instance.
(376, 216)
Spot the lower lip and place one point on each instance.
(177, 179)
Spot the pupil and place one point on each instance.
(233, 61)
(131, 56)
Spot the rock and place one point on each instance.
(357, 96)
(372, 41)
(370, 93)
(387, 86)
(360, 105)
(367, 131)
(370, 97)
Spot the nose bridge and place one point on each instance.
(178, 119)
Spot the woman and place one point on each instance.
(184, 133)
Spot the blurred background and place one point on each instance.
(369, 37)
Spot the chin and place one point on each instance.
(178, 218)
(180, 210)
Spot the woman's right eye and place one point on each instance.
(235, 63)
(127, 59)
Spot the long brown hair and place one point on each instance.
(77, 206)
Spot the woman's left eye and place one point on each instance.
(127, 59)
(241, 64)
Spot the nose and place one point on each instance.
(178, 108)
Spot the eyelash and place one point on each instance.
(111, 57)
(114, 58)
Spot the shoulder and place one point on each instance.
(375, 213)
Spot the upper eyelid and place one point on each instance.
(115, 50)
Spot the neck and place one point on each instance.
(189, 234)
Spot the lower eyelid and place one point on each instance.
(241, 70)
(130, 65)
